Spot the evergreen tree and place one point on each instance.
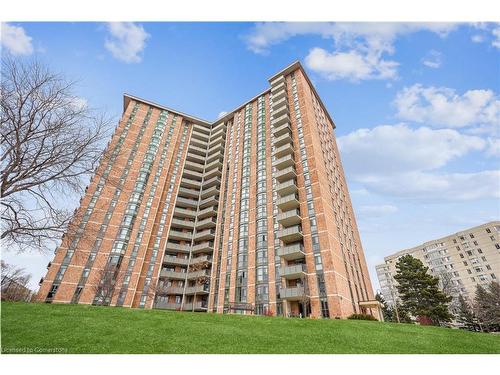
(387, 311)
(465, 315)
(487, 305)
(419, 291)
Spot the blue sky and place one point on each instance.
(416, 106)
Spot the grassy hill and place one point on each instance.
(86, 329)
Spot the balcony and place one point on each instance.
(198, 306)
(197, 150)
(201, 129)
(171, 259)
(206, 223)
(287, 187)
(189, 193)
(288, 218)
(283, 129)
(174, 290)
(172, 274)
(219, 126)
(207, 212)
(214, 181)
(184, 202)
(179, 236)
(278, 103)
(207, 234)
(210, 201)
(213, 173)
(281, 110)
(286, 174)
(292, 252)
(194, 166)
(189, 183)
(295, 271)
(198, 143)
(198, 289)
(278, 87)
(214, 190)
(197, 274)
(187, 173)
(216, 148)
(182, 212)
(292, 294)
(277, 81)
(286, 149)
(285, 161)
(220, 132)
(170, 246)
(291, 234)
(195, 158)
(167, 305)
(199, 136)
(277, 121)
(216, 163)
(216, 141)
(201, 259)
(288, 202)
(183, 224)
(283, 140)
(204, 247)
(217, 156)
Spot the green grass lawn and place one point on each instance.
(87, 329)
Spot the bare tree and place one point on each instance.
(201, 279)
(305, 298)
(51, 141)
(105, 282)
(15, 283)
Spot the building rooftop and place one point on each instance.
(287, 70)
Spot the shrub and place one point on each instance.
(361, 317)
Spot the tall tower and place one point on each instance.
(247, 214)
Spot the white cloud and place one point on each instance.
(478, 38)
(376, 211)
(352, 65)
(79, 102)
(496, 34)
(493, 147)
(439, 186)
(433, 59)
(126, 41)
(393, 149)
(402, 162)
(221, 114)
(15, 40)
(441, 106)
(360, 51)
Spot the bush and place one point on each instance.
(361, 317)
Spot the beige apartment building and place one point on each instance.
(247, 214)
(462, 261)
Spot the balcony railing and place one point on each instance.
(190, 183)
(189, 193)
(206, 212)
(170, 259)
(170, 246)
(177, 223)
(283, 162)
(172, 274)
(180, 236)
(292, 294)
(287, 187)
(291, 234)
(283, 140)
(204, 247)
(286, 174)
(280, 120)
(182, 212)
(292, 252)
(198, 289)
(288, 202)
(198, 306)
(167, 305)
(291, 217)
(184, 202)
(286, 149)
(295, 271)
(207, 234)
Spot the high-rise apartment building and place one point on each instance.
(247, 214)
(462, 261)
